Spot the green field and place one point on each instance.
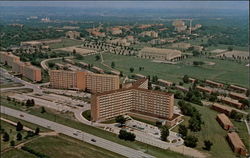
(63, 146)
(223, 70)
(65, 43)
(157, 152)
(211, 130)
(17, 153)
(11, 130)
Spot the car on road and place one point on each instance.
(93, 140)
(21, 115)
(75, 134)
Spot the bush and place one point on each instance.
(19, 126)
(191, 141)
(164, 133)
(6, 137)
(126, 135)
(12, 143)
(208, 144)
(19, 136)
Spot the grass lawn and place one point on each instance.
(98, 132)
(17, 153)
(143, 120)
(66, 42)
(87, 114)
(11, 130)
(63, 146)
(223, 70)
(211, 130)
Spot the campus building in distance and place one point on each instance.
(159, 53)
(135, 99)
(22, 68)
(83, 80)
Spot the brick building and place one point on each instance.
(224, 121)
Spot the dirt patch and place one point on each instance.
(78, 50)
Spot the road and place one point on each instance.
(100, 142)
(45, 67)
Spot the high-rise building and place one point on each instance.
(135, 99)
(83, 80)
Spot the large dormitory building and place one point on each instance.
(83, 80)
(23, 68)
(134, 99)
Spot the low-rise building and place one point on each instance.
(192, 80)
(181, 88)
(212, 83)
(152, 34)
(238, 96)
(224, 121)
(232, 102)
(222, 108)
(238, 88)
(204, 89)
(97, 69)
(159, 53)
(164, 82)
(138, 76)
(73, 34)
(236, 144)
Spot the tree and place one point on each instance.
(164, 133)
(51, 65)
(120, 119)
(183, 130)
(12, 143)
(37, 131)
(208, 144)
(195, 124)
(131, 69)
(185, 79)
(230, 48)
(6, 137)
(97, 57)
(123, 134)
(191, 141)
(113, 64)
(19, 126)
(19, 136)
(32, 101)
(43, 110)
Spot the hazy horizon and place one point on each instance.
(233, 5)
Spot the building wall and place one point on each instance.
(32, 73)
(8, 58)
(111, 104)
(97, 83)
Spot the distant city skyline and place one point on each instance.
(239, 5)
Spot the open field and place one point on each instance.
(65, 43)
(211, 130)
(157, 152)
(53, 146)
(11, 130)
(17, 153)
(81, 51)
(222, 70)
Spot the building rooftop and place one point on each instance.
(235, 139)
(224, 119)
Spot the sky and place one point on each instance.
(239, 5)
